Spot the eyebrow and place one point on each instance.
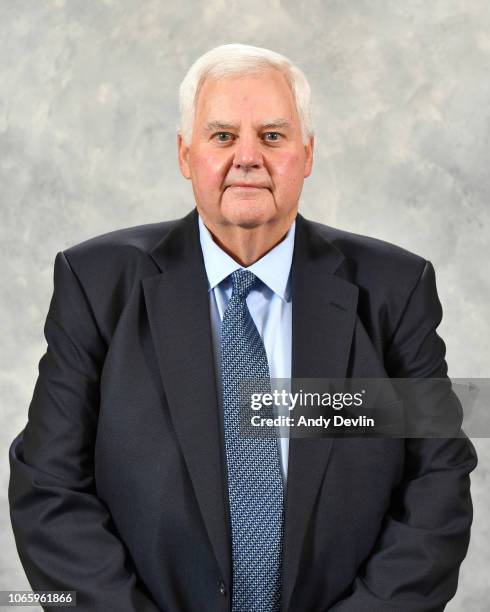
(269, 124)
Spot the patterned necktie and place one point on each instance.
(254, 476)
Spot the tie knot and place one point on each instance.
(243, 281)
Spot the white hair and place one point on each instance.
(237, 59)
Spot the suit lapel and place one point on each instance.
(178, 310)
(324, 313)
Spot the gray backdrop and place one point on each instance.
(88, 110)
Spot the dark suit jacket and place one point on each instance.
(117, 485)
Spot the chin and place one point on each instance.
(249, 224)
(249, 221)
(248, 215)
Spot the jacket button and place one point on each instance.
(222, 588)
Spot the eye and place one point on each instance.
(223, 136)
(272, 136)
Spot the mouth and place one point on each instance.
(246, 187)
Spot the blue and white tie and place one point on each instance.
(255, 486)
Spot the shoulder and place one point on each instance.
(110, 266)
(119, 247)
(386, 275)
(120, 256)
(371, 262)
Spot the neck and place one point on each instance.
(246, 246)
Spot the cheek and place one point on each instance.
(208, 170)
(288, 169)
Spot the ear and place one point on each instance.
(183, 151)
(309, 156)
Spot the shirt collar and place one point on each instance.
(272, 269)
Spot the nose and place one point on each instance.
(247, 153)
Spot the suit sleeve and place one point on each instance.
(64, 533)
(415, 563)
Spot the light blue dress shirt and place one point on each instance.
(269, 304)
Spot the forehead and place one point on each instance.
(259, 94)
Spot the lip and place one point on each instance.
(245, 186)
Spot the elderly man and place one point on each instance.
(131, 483)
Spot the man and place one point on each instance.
(131, 484)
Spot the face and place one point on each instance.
(246, 159)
